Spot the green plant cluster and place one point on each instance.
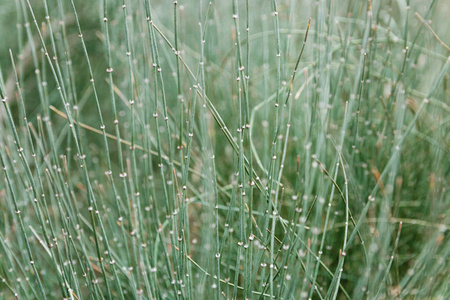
(236, 149)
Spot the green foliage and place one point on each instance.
(227, 149)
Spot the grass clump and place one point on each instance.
(224, 149)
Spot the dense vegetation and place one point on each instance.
(228, 149)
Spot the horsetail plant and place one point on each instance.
(224, 149)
